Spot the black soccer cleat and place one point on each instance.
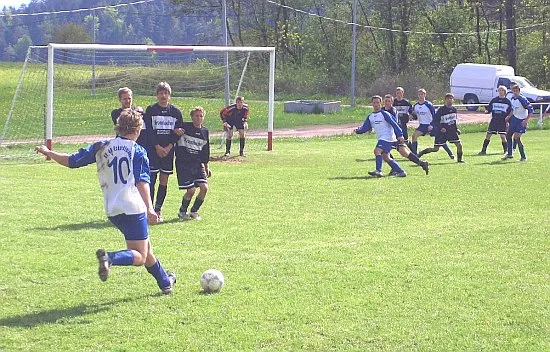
(425, 166)
(104, 265)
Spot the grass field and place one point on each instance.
(317, 256)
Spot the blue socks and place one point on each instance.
(379, 163)
(158, 272)
(121, 258)
(395, 166)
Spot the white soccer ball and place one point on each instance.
(212, 281)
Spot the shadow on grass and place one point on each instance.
(74, 227)
(352, 178)
(364, 160)
(53, 316)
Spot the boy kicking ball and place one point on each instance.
(123, 171)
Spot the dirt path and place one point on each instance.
(299, 132)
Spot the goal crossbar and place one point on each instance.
(157, 48)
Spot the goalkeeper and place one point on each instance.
(235, 115)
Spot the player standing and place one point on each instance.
(192, 156)
(386, 130)
(445, 128)
(404, 110)
(161, 119)
(235, 115)
(125, 96)
(123, 172)
(500, 108)
(424, 111)
(521, 111)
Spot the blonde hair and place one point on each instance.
(197, 108)
(388, 96)
(422, 90)
(239, 98)
(376, 97)
(124, 90)
(128, 122)
(164, 86)
(400, 89)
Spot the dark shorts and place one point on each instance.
(497, 126)
(385, 145)
(133, 227)
(164, 165)
(235, 122)
(190, 175)
(450, 134)
(515, 126)
(423, 129)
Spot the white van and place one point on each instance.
(478, 83)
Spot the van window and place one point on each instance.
(502, 81)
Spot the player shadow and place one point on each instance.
(336, 178)
(494, 162)
(364, 160)
(100, 224)
(64, 315)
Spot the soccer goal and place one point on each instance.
(66, 92)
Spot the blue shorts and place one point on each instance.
(423, 129)
(515, 126)
(385, 145)
(133, 227)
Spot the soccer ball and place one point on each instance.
(212, 281)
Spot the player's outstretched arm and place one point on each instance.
(60, 158)
(143, 189)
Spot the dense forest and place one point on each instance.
(407, 42)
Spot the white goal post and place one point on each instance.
(53, 47)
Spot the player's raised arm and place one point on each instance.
(60, 158)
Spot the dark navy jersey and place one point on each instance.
(142, 139)
(445, 116)
(392, 111)
(231, 113)
(404, 108)
(193, 147)
(499, 107)
(161, 123)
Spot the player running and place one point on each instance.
(500, 109)
(424, 111)
(402, 147)
(445, 128)
(123, 172)
(386, 130)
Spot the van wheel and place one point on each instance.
(471, 99)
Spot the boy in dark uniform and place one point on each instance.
(125, 96)
(235, 115)
(161, 119)
(444, 123)
(500, 108)
(192, 156)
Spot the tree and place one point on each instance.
(72, 33)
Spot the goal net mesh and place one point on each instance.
(85, 92)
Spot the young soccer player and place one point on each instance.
(445, 128)
(123, 172)
(386, 130)
(424, 111)
(402, 147)
(192, 156)
(125, 96)
(235, 115)
(404, 110)
(521, 112)
(161, 119)
(500, 109)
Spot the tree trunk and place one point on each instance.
(511, 33)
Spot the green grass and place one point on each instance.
(317, 256)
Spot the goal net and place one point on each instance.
(66, 92)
